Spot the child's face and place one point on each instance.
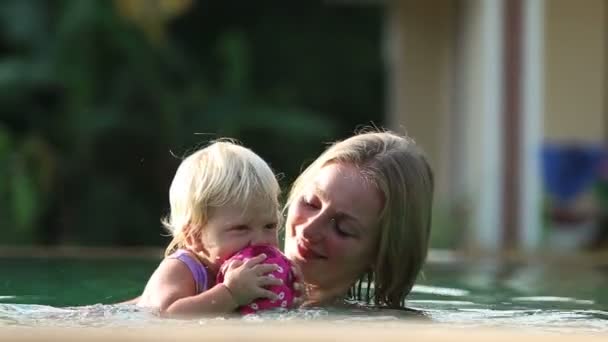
(230, 229)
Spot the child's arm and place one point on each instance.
(131, 301)
(171, 288)
(244, 282)
(217, 299)
(171, 281)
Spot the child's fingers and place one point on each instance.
(269, 281)
(261, 269)
(263, 293)
(255, 260)
(297, 301)
(299, 293)
(234, 264)
(297, 274)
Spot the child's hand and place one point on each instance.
(298, 287)
(246, 280)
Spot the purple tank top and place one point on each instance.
(198, 270)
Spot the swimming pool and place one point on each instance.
(540, 297)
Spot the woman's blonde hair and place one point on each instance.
(223, 173)
(396, 166)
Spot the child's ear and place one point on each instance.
(189, 234)
(193, 237)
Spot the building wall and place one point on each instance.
(419, 52)
(575, 71)
(445, 71)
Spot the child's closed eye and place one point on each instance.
(271, 226)
(241, 227)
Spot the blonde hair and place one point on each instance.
(223, 173)
(396, 166)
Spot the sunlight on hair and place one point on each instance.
(223, 173)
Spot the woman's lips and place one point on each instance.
(307, 253)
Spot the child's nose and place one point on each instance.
(263, 238)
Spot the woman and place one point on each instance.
(361, 214)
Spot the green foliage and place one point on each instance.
(92, 111)
(26, 170)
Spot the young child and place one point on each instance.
(223, 198)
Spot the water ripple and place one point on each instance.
(441, 291)
(457, 314)
(553, 299)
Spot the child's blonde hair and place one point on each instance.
(401, 172)
(223, 173)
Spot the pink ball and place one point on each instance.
(284, 291)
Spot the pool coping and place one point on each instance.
(294, 331)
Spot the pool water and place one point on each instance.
(56, 292)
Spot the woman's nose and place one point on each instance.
(314, 228)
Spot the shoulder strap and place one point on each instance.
(198, 270)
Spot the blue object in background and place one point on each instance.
(569, 169)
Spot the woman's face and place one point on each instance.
(332, 227)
